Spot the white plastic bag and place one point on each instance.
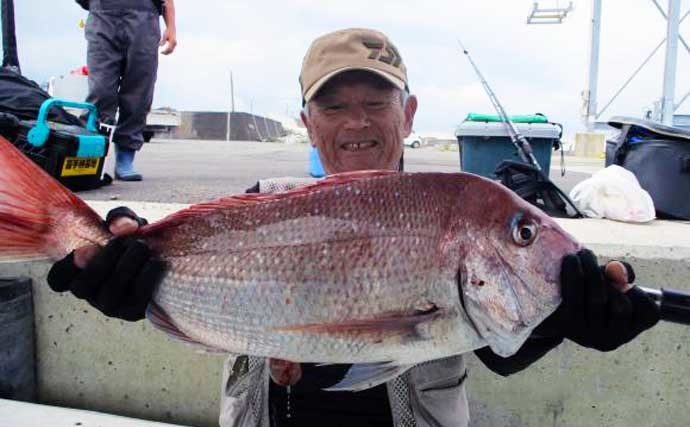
(613, 193)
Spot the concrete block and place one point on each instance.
(590, 144)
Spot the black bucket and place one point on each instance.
(17, 360)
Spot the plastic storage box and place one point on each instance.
(485, 144)
(73, 155)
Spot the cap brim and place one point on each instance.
(309, 94)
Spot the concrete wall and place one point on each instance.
(212, 125)
(88, 361)
(645, 383)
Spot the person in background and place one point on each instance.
(123, 37)
(357, 108)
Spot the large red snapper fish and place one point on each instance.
(379, 269)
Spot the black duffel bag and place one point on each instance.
(659, 156)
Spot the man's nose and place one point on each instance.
(357, 118)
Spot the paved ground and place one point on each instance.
(185, 171)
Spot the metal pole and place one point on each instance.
(593, 76)
(630, 79)
(682, 100)
(680, 37)
(627, 82)
(232, 109)
(667, 100)
(232, 93)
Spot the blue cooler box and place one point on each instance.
(315, 167)
(483, 145)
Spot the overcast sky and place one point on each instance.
(531, 68)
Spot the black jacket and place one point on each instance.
(85, 4)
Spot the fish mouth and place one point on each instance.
(553, 274)
(355, 146)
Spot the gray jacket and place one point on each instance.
(431, 394)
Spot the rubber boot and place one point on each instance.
(124, 167)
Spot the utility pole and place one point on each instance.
(667, 100)
(232, 93)
(232, 108)
(593, 76)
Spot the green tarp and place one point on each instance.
(533, 118)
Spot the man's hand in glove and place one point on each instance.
(600, 308)
(117, 279)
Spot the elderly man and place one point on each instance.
(357, 110)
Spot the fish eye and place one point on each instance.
(524, 232)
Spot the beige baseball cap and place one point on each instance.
(350, 49)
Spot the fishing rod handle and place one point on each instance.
(673, 303)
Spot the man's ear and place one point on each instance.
(410, 108)
(307, 124)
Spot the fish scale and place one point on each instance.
(360, 267)
(382, 271)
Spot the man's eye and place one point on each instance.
(331, 108)
(376, 105)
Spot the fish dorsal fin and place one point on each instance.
(160, 319)
(201, 209)
(244, 200)
(367, 375)
(345, 177)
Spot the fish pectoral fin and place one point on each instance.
(399, 323)
(160, 319)
(367, 375)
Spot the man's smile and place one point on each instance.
(357, 146)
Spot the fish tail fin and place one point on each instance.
(39, 218)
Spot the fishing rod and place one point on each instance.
(673, 304)
(550, 194)
(520, 142)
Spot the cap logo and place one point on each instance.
(387, 54)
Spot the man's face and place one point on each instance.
(358, 125)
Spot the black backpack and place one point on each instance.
(535, 187)
(22, 98)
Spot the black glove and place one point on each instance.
(121, 211)
(593, 313)
(119, 281)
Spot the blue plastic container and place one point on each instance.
(315, 167)
(484, 145)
